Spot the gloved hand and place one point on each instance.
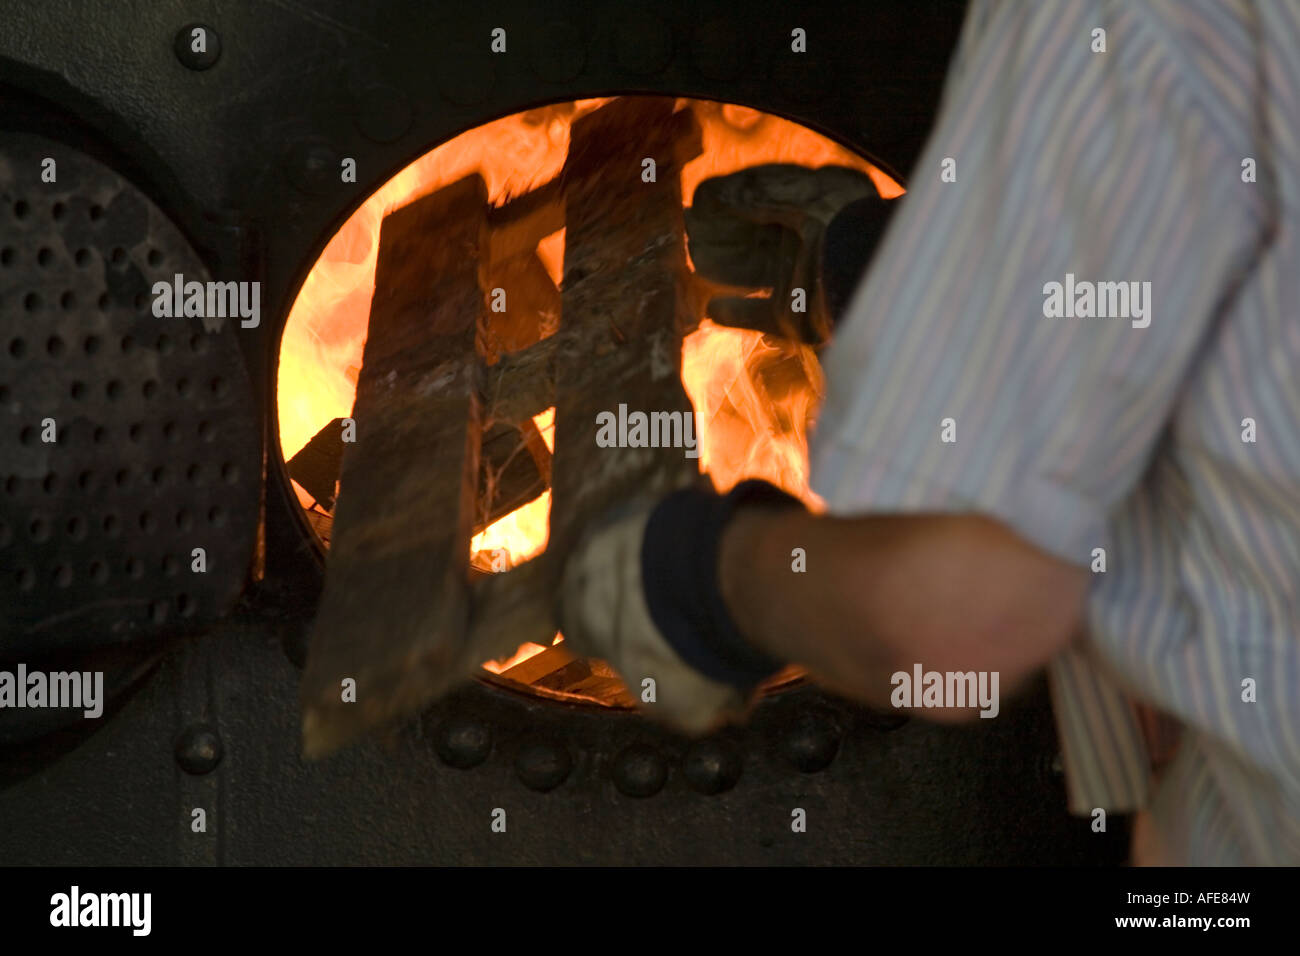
(765, 227)
(640, 591)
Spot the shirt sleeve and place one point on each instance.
(961, 378)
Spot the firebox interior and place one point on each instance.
(754, 395)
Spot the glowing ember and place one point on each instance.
(754, 396)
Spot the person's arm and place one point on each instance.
(882, 593)
(959, 385)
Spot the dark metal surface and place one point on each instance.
(155, 446)
(981, 793)
(243, 156)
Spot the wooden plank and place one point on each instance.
(520, 377)
(626, 302)
(522, 383)
(557, 657)
(515, 454)
(607, 690)
(513, 607)
(532, 300)
(321, 523)
(316, 466)
(531, 305)
(516, 468)
(566, 677)
(625, 307)
(394, 613)
(521, 223)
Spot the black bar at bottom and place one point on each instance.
(921, 905)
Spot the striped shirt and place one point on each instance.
(1171, 441)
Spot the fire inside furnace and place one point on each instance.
(754, 395)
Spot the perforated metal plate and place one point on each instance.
(156, 449)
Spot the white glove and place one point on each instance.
(603, 614)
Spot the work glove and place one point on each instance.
(766, 227)
(640, 591)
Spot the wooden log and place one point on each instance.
(394, 612)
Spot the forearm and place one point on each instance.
(882, 593)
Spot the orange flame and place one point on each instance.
(754, 396)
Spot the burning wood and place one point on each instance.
(553, 660)
(522, 384)
(394, 613)
(625, 306)
(317, 466)
(630, 325)
(516, 469)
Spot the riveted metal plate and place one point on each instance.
(127, 440)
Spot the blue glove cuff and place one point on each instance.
(679, 572)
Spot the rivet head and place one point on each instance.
(812, 742)
(463, 743)
(639, 771)
(642, 44)
(719, 50)
(558, 52)
(199, 749)
(384, 114)
(464, 71)
(800, 77)
(543, 765)
(197, 46)
(711, 766)
(313, 167)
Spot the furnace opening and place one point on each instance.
(754, 395)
